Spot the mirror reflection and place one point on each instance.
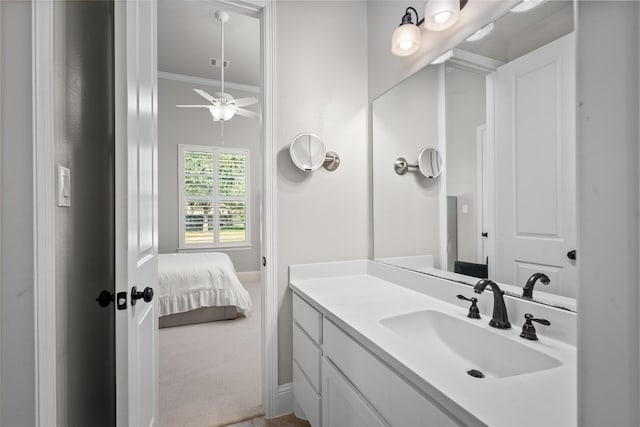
(501, 113)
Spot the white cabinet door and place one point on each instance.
(342, 406)
(136, 211)
(535, 198)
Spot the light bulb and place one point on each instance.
(406, 45)
(442, 17)
(441, 14)
(405, 40)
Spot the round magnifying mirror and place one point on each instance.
(430, 162)
(307, 152)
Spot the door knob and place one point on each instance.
(571, 254)
(105, 298)
(146, 295)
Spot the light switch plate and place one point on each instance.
(64, 186)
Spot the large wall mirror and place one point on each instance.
(501, 112)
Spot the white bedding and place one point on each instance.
(190, 281)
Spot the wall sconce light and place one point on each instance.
(439, 15)
(442, 14)
(406, 38)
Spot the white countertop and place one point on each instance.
(356, 300)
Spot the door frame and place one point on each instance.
(43, 32)
(42, 19)
(269, 218)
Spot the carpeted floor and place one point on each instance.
(210, 372)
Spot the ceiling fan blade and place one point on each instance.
(247, 113)
(243, 102)
(205, 95)
(194, 106)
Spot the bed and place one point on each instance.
(199, 287)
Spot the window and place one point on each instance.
(214, 197)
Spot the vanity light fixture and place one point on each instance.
(406, 38)
(442, 14)
(439, 15)
(526, 5)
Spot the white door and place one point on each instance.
(535, 218)
(136, 211)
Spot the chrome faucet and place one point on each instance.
(528, 287)
(499, 319)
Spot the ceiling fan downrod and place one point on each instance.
(222, 17)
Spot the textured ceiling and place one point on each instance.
(189, 34)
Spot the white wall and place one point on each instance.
(17, 381)
(608, 210)
(406, 207)
(465, 111)
(194, 126)
(322, 88)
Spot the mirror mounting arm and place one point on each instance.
(402, 166)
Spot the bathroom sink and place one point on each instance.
(469, 347)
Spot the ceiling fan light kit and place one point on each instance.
(224, 106)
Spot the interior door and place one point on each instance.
(535, 218)
(136, 212)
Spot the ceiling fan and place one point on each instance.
(223, 106)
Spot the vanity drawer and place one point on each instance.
(306, 397)
(396, 400)
(309, 319)
(307, 354)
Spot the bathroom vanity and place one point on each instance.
(378, 345)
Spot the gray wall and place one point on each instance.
(608, 209)
(406, 208)
(322, 88)
(190, 126)
(465, 111)
(84, 142)
(17, 326)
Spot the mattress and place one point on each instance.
(191, 281)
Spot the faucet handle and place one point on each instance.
(528, 330)
(474, 311)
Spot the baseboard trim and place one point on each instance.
(285, 400)
(249, 276)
